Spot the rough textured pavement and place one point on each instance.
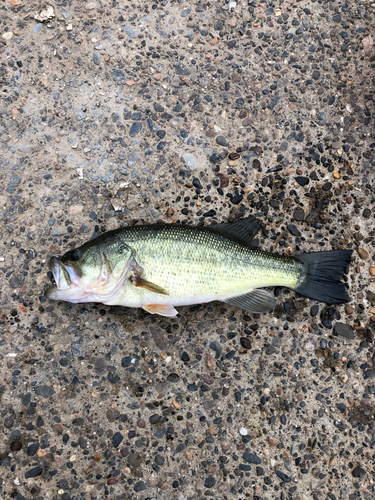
(116, 113)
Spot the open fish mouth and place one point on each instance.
(66, 279)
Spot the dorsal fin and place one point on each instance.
(243, 230)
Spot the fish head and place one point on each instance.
(90, 273)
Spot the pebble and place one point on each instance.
(221, 140)
(362, 253)
(44, 390)
(359, 472)
(298, 214)
(130, 31)
(251, 458)
(34, 472)
(343, 330)
(190, 162)
(283, 476)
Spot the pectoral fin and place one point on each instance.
(162, 309)
(147, 285)
(257, 301)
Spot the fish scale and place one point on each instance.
(196, 264)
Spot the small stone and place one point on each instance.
(366, 213)
(362, 253)
(369, 374)
(210, 482)
(44, 390)
(190, 162)
(372, 270)
(135, 128)
(221, 140)
(245, 343)
(100, 366)
(197, 183)
(96, 58)
(173, 377)
(36, 471)
(293, 230)
(343, 330)
(302, 181)
(298, 214)
(139, 486)
(283, 476)
(117, 439)
(181, 69)
(130, 31)
(252, 458)
(359, 472)
(37, 27)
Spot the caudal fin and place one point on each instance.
(322, 276)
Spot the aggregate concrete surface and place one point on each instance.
(130, 112)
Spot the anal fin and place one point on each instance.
(161, 309)
(256, 301)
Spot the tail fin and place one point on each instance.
(322, 276)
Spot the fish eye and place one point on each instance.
(76, 254)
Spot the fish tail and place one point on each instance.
(322, 275)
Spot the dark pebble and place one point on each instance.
(125, 362)
(316, 75)
(298, 214)
(117, 439)
(173, 377)
(369, 374)
(366, 213)
(185, 356)
(236, 199)
(327, 186)
(341, 407)
(314, 310)
(221, 140)
(245, 342)
(283, 476)
(44, 390)
(233, 156)
(359, 472)
(159, 460)
(214, 159)
(260, 471)
(36, 471)
(251, 458)
(343, 330)
(293, 230)
(302, 181)
(82, 442)
(26, 399)
(210, 482)
(154, 418)
(135, 128)
(139, 486)
(15, 446)
(197, 183)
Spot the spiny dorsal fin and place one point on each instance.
(243, 230)
(257, 301)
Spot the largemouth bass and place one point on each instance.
(160, 266)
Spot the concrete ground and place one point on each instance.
(117, 113)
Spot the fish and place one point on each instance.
(158, 267)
